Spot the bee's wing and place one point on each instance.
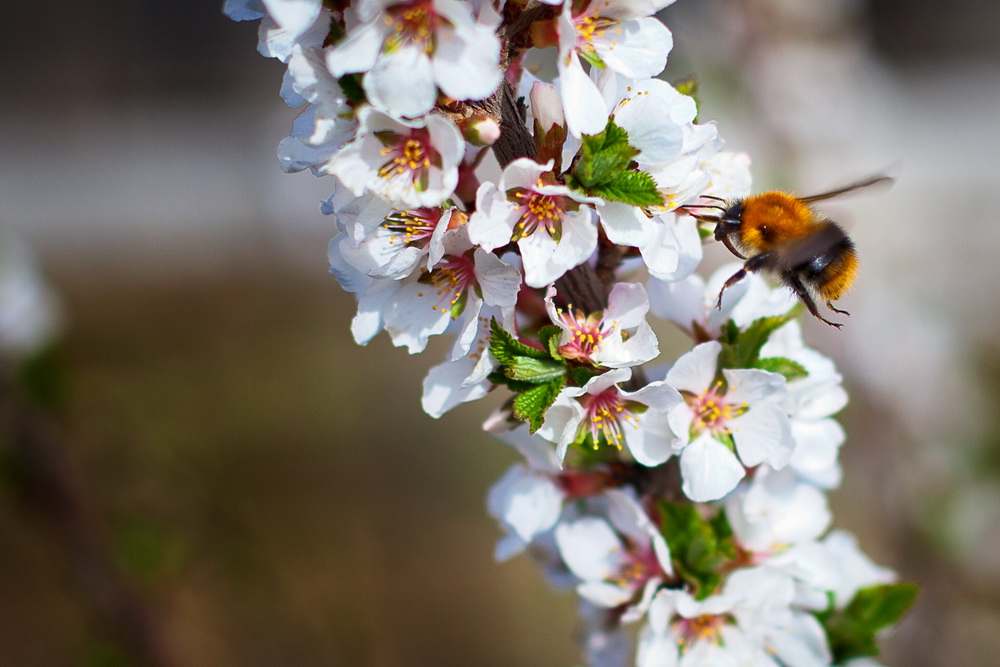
(868, 182)
(816, 248)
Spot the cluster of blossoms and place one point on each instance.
(540, 226)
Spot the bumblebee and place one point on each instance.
(780, 235)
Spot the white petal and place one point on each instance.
(816, 447)
(626, 224)
(582, 101)
(413, 316)
(674, 249)
(467, 63)
(709, 469)
(763, 435)
(628, 304)
(801, 642)
(402, 82)
(500, 282)
(444, 389)
(650, 130)
(651, 442)
(492, 223)
(749, 385)
(590, 548)
(604, 594)
(639, 51)
(695, 370)
(528, 503)
(358, 52)
(293, 15)
(680, 301)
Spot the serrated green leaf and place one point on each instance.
(792, 370)
(581, 375)
(549, 337)
(504, 347)
(531, 405)
(741, 349)
(630, 187)
(602, 157)
(535, 371)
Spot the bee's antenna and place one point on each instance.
(712, 197)
(715, 206)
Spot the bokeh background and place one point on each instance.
(248, 487)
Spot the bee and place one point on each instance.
(780, 235)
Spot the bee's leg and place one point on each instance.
(755, 263)
(800, 290)
(733, 279)
(829, 304)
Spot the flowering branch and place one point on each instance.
(686, 506)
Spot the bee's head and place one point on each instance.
(729, 222)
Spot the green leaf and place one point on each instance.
(549, 337)
(792, 370)
(689, 87)
(351, 85)
(741, 349)
(882, 605)
(851, 631)
(504, 347)
(535, 371)
(698, 547)
(631, 187)
(581, 375)
(602, 157)
(531, 405)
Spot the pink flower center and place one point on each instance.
(413, 227)
(452, 276)
(590, 26)
(409, 157)
(640, 565)
(587, 332)
(707, 627)
(606, 413)
(537, 210)
(412, 24)
(712, 413)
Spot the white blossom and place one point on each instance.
(614, 338)
(406, 163)
(408, 50)
(551, 224)
(744, 409)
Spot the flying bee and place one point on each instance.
(780, 235)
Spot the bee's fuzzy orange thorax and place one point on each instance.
(773, 217)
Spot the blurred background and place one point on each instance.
(245, 486)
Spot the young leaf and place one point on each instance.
(504, 347)
(792, 370)
(531, 405)
(631, 187)
(602, 156)
(535, 371)
(549, 338)
(698, 548)
(851, 631)
(741, 349)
